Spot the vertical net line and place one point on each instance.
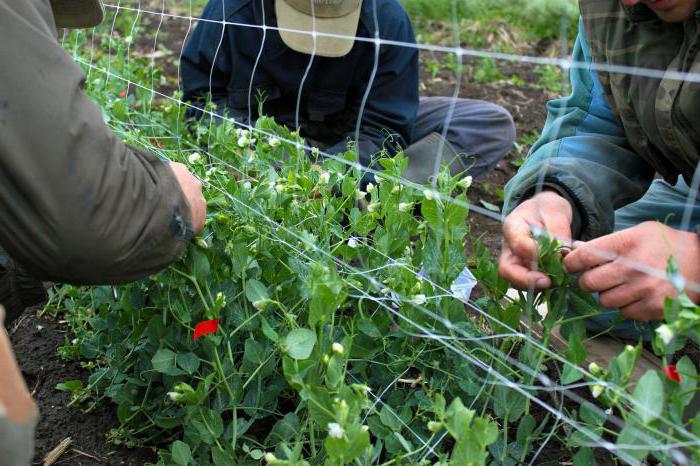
(211, 71)
(153, 55)
(129, 42)
(297, 121)
(255, 65)
(372, 77)
(179, 75)
(439, 150)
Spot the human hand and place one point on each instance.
(609, 268)
(547, 211)
(192, 189)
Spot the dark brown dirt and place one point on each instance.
(36, 341)
(525, 102)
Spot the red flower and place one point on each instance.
(122, 94)
(205, 327)
(672, 373)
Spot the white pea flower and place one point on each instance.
(274, 142)
(175, 396)
(352, 242)
(396, 189)
(465, 182)
(337, 348)
(665, 333)
(595, 369)
(370, 188)
(315, 151)
(418, 299)
(629, 348)
(194, 158)
(378, 179)
(359, 195)
(405, 206)
(597, 390)
(242, 141)
(324, 178)
(247, 186)
(335, 431)
(364, 428)
(374, 206)
(429, 194)
(270, 458)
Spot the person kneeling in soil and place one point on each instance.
(76, 204)
(591, 174)
(233, 63)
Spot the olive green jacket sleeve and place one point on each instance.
(76, 204)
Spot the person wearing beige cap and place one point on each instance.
(313, 61)
(76, 204)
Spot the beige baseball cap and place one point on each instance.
(77, 13)
(340, 17)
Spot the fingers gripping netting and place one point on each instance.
(505, 368)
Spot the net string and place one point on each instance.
(534, 342)
(636, 265)
(566, 63)
(90, 68)
(657, 273)
(506, 382)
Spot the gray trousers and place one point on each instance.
(481, 132)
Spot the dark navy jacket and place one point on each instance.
(334, 89)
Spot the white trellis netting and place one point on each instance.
(177, 20)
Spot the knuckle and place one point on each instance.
(608, 300)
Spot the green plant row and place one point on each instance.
(342, 336)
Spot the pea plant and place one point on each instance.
(323, 319)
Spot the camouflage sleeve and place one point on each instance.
(583, 154)
(77, 205)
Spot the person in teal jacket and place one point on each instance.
(615, 162)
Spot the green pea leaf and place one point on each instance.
(689, 380)
(70, 386)
(299, 343)
(182, 455)
(164, 362)
(200, 265)
(648, 396)
(256, 293)
(189, 362)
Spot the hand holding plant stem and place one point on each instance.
(546, 211)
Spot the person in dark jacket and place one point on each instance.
(318, 83)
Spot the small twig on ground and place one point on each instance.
(38, 381)
(18, 323)
(56, 453)
(82, 453)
